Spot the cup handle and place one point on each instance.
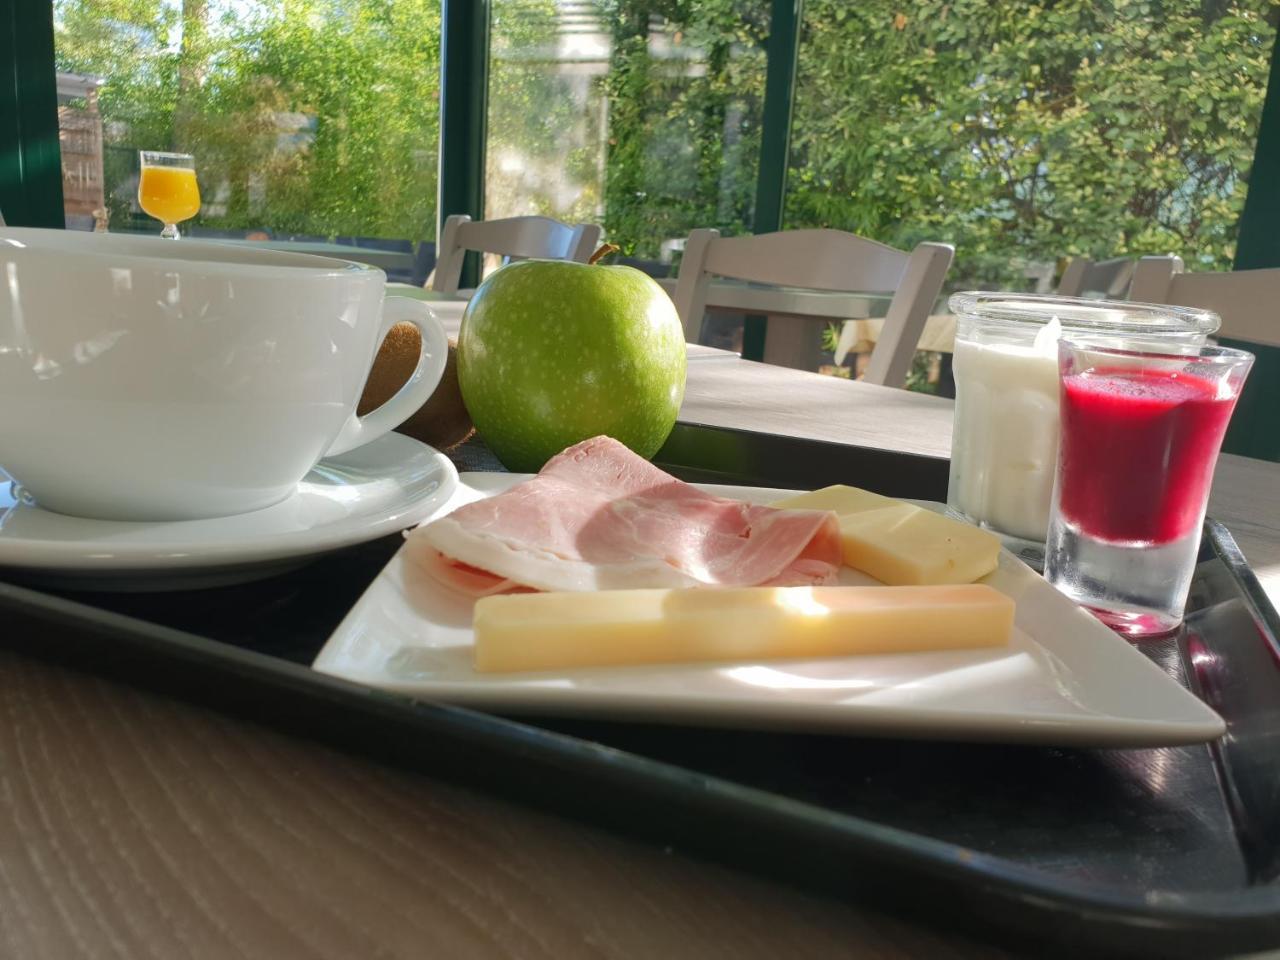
(358, 431)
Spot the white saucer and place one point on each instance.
(387, 485)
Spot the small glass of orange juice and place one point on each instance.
(167, 189)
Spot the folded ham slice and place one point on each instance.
(599, 517)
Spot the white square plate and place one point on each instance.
(1064, 679)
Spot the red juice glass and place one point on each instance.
(1140, 434)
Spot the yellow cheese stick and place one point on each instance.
(900, 543)
(549, 631)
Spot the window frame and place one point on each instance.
(30, 155)
(464, 113)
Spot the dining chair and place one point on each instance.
(1246, 300)
(1109, 278)
(827, 260)
(513, 237)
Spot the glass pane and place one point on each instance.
(1027, 133)
(641, 115)
(309, 120)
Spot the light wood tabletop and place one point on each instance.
(144, 827)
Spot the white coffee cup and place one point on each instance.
(150, 379)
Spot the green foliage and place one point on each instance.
(1024, 130)
(98, 36)
(831, 337)
(544, 124)
(1030, 130)
(684, 117)
(306, 116)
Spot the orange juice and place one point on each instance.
(170, 194)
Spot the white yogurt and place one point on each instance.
(1004, 450)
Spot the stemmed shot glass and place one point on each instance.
(167, 189)
(1140, 435)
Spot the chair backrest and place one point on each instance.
(654, 268)
(1245, 299)
(1083, 276)
(829, 260)
(519, 237)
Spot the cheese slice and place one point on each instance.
(839, 499)
(553, 631)
(900, 543)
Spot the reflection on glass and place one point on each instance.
(167, 189)
(996, 135)
(640, 116)
(312, 121)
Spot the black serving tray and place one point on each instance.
(1163, 852)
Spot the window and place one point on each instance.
(640, 115)
(1027, 133)
(307, 119)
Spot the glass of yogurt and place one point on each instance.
(1004, 446)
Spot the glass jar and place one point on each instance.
(1004, 445)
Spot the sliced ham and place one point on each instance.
(463, 577)
(599, 517)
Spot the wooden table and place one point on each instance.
(142, 827)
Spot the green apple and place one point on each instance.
(551, 353)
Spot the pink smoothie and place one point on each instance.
(1138, 451)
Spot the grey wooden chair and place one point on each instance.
(513, 237)
(1106, 278)
(1246, 300)
(828, 260)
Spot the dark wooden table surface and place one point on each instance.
(137, 826)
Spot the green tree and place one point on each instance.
(685, 90)
(305, 116)
(124, 42)
(359, 82)
(1030, 130)
(544, 124)
(1025, 130)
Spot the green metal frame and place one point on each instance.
(1255, 425)
(464, 113)
(1258, 242)
(30, 158)
(783, 56)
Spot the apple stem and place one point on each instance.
(604, 251)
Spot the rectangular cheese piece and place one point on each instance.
(900, 543)
(551, 631)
